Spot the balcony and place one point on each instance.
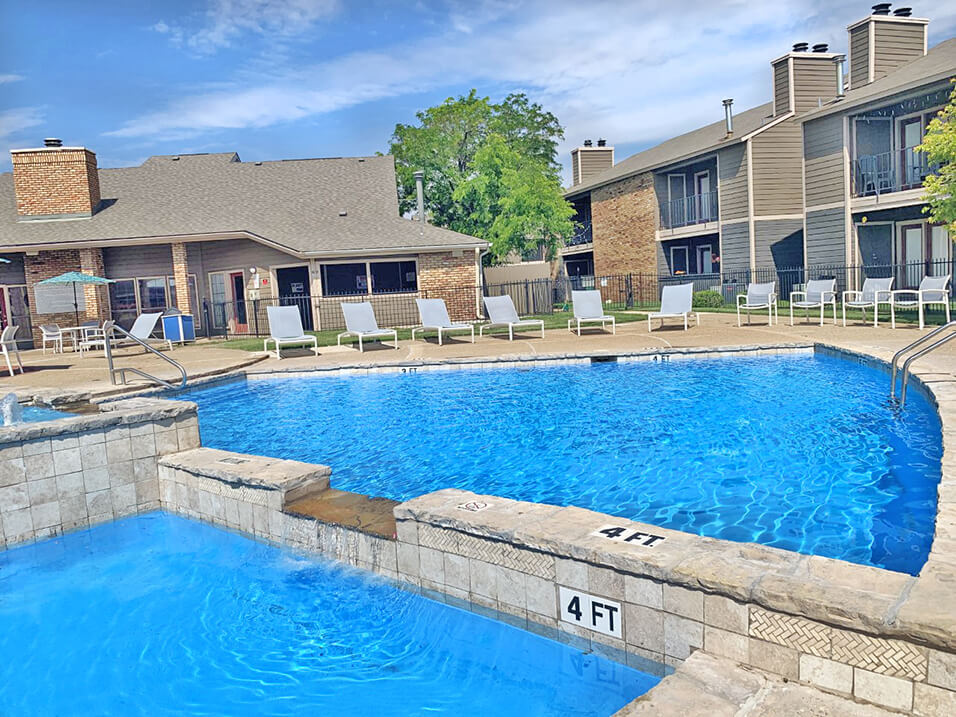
(897, 171)
(688, 211)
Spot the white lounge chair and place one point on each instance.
(434, 316)
(501, 312)
(7, 344)
(589, 309)
(931, 291)
(677, 302)
(873, 293)
(818, 293)
(285, 329)
(141, 329)
(51, 334)
(360, 321)
(759, 297)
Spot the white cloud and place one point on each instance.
(631, 72)
(18, 119)
(10, 78)
(227, 20)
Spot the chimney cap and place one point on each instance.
(602, 143)
(801, 46)
(903, 12)
(882, 8)
(52, 142)
(728, 102)
(587, 143)
(821, 47)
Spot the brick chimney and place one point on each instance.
(55, 181)
(589, 160)
(803, 78)
(882, 42)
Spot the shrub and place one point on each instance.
(708, 300)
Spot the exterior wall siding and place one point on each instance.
(777, 170)
(127, 262)
(779, 243)
(814, 79)
(732, 163)
(735, 247)
(859, 61)
(445, 276)
(824, 161)
(624, 221)
(781, 87)
(896, 43)
(826, 237)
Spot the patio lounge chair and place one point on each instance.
(759, 297)
(932, 291)
(589, 309)
(7, 344)
(501, 312)
(816, 294)
(51, 334)
(676, 302)
(285, 328)
(874, 293)
(141, 329)
(434, 316)
(360, 321)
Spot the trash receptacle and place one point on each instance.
(179, 328)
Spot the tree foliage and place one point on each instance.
(939, 146)
(490, 171)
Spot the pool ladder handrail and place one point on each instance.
(108, 328)
(950, 326)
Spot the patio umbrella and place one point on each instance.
(76, 277)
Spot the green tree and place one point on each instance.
(939, 146)
(490, 171)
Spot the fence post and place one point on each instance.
(255, 313)
(629, 300)
(527, 297)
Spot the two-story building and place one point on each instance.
(864, 177)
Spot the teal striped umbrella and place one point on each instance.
(76, 277)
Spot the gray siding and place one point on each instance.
(735, 247)
(781, 87)
(824, 161)
(826, 237)
(594, 161)
(574, 169)
(128, 262)
(777, 156)
(12, 273)
(732, 163)
(859, 62)
(896, 43)
(814, 79)
(779, 243)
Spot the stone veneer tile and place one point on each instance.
(407, 559)
(795, 632)
(117, 450)
(644, 627)
(93, 455)
(456, 572)
(726, 614)
(36, 447)
(67, 461)
(643, 591)
(14, 497)
(407, 531)
(886, 657)
(120, 473)
(17, 525)
(37, 466)
(541, 596)
(431, 565)
(45, 515)
(778, 659)
(571, 573)
(883, 690)
(684, 602)
(511, 587)
(942, 669)
(829, 675)
(727, 644)
(681, 636)
(96, 479)
(606, 583)
(929, 701)
(484, 580)
(42, 491)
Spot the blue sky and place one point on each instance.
(275, 79)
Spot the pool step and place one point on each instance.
(351, 510)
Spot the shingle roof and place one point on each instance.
(939, 63)
(292, 203)
(699, 141)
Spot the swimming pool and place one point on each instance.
(799, 452)
(157, 614)
(34, 414)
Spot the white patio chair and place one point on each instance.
(7, 344)
(51, 334)
(931, 291)
(360, 321)
(818, 293)
(677, 302)
(501, 312)
(759, 297)
(434, 317)
(873, 293)
(285, 329)
(589, 309)
(141, 329)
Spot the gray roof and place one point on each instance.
(294, 204)
(938, 64)
(699, 141)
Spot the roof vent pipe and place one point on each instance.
(602, 143)
(420, 191)
(821, 47)
(882, 8)
(838, 61)
(729, 116)
(801, 46)
(52, 142)
(903, 11)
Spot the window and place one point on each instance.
(153, 294)
(339, 279)
(393, 276)
(679, 260)
(193, 294)
(217, 283)
(123, 295)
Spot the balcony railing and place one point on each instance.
(695, 209)
(876, 174)
(583, 236)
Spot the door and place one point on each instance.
(873, 152)
(705, 262)
(911, 255)
(702, 189)
(238, 284)
(940, 252)
(911, 136)
(14, 309)
(293, 285)
(676, 195)
(679, 260)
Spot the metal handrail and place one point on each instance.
(108, 328)
(906, 364)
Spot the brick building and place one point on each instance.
(191, 231)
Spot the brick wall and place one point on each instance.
(55, 181)
(45, 265)
(442, 275)
(623, 221)
(96, 295)
(181, 277)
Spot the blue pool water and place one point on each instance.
(33, 414)
(158, 615)
(800, 452)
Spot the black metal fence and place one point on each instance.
(621, 292)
